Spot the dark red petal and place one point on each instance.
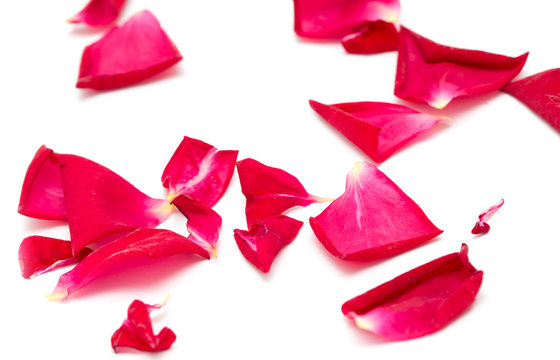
(128, 54)
(378, 129)
(372, 38)
(435, 74)
(420, 301)
(372, 220)
(198, 170)
(481, 227)
(98, 12)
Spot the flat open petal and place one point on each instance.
(378, 129)
(128, 54)
(372, 220)
(481, 226)
(541, 93)
(265, 239)
(198, 170)
(141, 244)
(98, 12)
(435, 74)
(372, 38)
(137, 332)
(333, 19)
(420, 301)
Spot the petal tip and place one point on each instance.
(57, 296)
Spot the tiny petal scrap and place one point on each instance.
(98, 12)
(481, 227)
(372, 38)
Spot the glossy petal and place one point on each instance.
(265, 239)
(333, 19)
(420, 301)
(128, 54)
(98, 12)
(372, 220)
(541, 93)
(481, 227)
(378, 129)
(141, 244)
(372, 38)
(137, 332)
(198, 170)
(435, 74)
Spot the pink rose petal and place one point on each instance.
(98, 12)
(481, 227)
(372, 38)
(373, 219)
(420, 301)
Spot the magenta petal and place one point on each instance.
(335, 19)
(435, 74)
(372, 38)
(198, 170)
(481, 227)
(140, 244)
(372, 220)
(98, 12)
(378, 129)
(128, 54)
(420, 301)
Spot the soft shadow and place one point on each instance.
(423, 136)
(82, 29)
(303, 40)
(38, 225)
(366, 337)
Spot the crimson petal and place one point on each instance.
(372, 38)
(420, 301)
(372, 220)
(98, 12)
(481, 227)
(128, 54)
(378, 129)
(435, 74)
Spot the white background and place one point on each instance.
(244, 84)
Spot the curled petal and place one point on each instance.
(98, 12)
(372, 38)
(481, 227)
(420, 301)
(372, 220)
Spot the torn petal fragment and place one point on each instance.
(378, 129)
(372, 38)
(481, 227)
(420, 301)
(98, 12)
(373, 219)
(128, 54)
(435, 74)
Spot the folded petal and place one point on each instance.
(98, 12)
(378, 129)
(128, 54)
(372, 38)
(481, 227)
(435, 74)
(420, 301)
(372, 220)
(141, 244)
(198, 170)
(335, 18)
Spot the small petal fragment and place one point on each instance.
(373, 219)
(128, 54)
(378, 129)
(435, 74)
(136, 331)
(420, 301)
(198, 170)
(372, 38)
(481, 227)
(98, 12)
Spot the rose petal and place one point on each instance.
(372, 220)
(435, 74)
(372, 38)
(98, 12)
(198, 170)
(128, 54)
(378, 129)
(481, 227)
(420, 301)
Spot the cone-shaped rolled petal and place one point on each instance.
(372, 220)
(265, 239)
(199, 171)
(378, 129)
(420, 301)
(372, 38)
(333, 19)
(541, 93)
(98, 12)
(140, 244)
(435, 74)
(481, 226)
(128, 54)
(137, 332)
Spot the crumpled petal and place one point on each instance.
(372, 38)
(128, 54)
(140, 244)
(98, 12)
(541, 93)
(378, 129)
(265, 239)
(198, 170)
(435, 74)
(137, 332)
(420, 301)
(373, 219)
(333, 19)
(481, 226)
